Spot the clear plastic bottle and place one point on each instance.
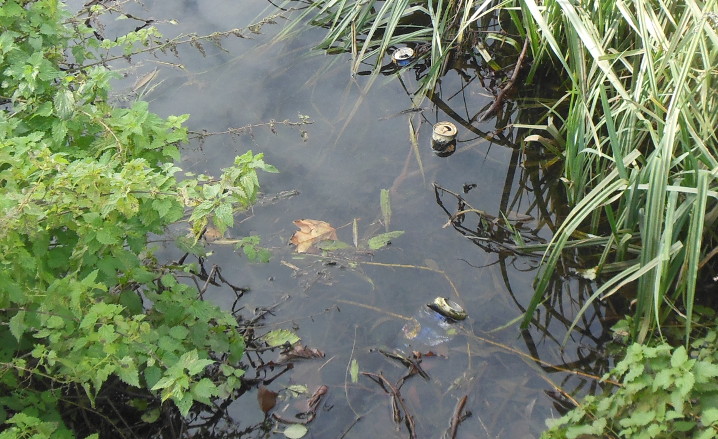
(433, 324)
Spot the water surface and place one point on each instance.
(355, 302)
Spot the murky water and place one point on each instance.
(356, 302)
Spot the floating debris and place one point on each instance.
(403, 56)
(443, 139)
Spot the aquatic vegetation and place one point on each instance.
(370, 30)
(636, 133)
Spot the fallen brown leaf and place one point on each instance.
(299, 351)
(311, 232)
(266, 398)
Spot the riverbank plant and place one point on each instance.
(666, 392)
(639, 163)
(94, 327)
(371, 30)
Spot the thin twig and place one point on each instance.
(509, 85)
(397, 400)
(457, 418)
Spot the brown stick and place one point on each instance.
(457, 418)
(509, 85)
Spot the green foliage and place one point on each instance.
(369, 28)
(666, 393)
(84, 183)
(250, 247)
(636, 132)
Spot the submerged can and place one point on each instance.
(433, 324)
(403, 56)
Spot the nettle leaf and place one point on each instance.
(223, 217)
(709, 416)
(152, 376)
(127, 371)
(108, 236)
(164, 382)
(679, 357)
(17, 325)
(190, 361)
(64, 104)
(184, 403)
(203, 390)
(705, 371)
(179, 332)
(201, 211)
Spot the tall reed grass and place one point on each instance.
(640, 157)
(635, 130)
(370, 29)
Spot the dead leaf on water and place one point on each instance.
(141, 82)
(266, 398)
(311, 232)
(299, 351)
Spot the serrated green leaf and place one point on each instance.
(126, 370)
(203, 390)
(705, 371)
(223, 217)
(383, 239)
(709, 416)
(679, 357)
(164, 383)
(279, 337)
(162, 206)
(189, 245)
(179, 332)
(106, 236)
(64, 104)
(55, 322)
(198, 366)
(152, 376)
(236, 349)
(17, 325)
(295, 431)
(183, 403)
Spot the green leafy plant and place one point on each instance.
(666, 392)
(87, 308)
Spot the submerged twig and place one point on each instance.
(457, 418)
(396, 400)
(509, 85)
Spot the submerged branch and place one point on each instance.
(509, 85)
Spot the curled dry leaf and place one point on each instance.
(311, 232)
